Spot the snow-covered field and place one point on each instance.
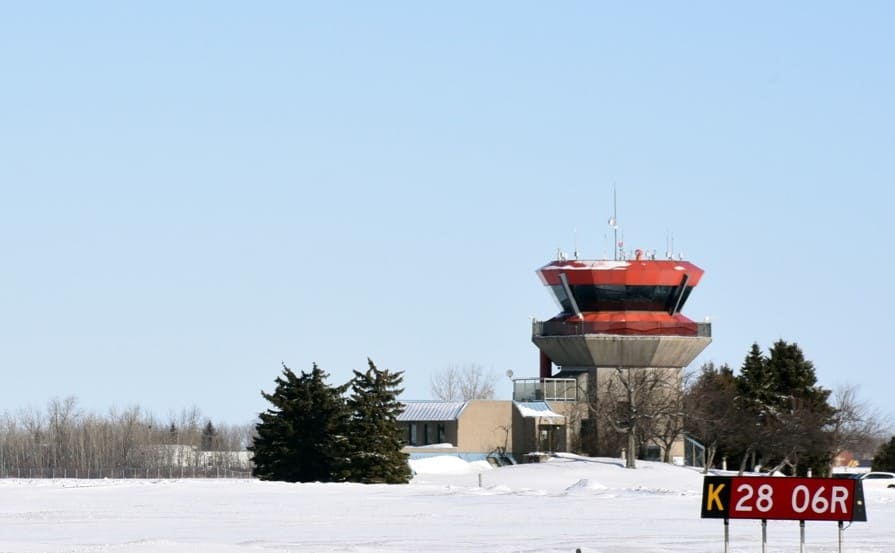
(592, 504)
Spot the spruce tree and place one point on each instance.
(209, 433)
(795, 378)
(755, 388)
(300, 438)
(375, 441)
(756, 383)
(790, 412)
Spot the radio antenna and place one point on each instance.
(669, 245)
(613, 222)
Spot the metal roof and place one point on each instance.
(431, 411)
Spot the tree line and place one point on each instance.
(773, 414)
(65, 440)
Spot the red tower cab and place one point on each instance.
(624, 313)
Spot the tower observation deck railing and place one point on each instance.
(545, 389)
(634, 328)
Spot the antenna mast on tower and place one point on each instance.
(613, 222)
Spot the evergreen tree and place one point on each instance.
(755, 386)
(301, 437)
(794, 378)
(807, 438)
(790, 412)
(209, 433)
(756, 383)
(884, 460)
(375, 441)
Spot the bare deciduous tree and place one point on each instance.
(65, 441)
(61, 415)
(469, 381)
(710, 409)
(665, 426)
(638, 404)
(857, 426)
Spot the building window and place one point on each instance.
(412, 439)
(651, 452)
(442, 437)
(425, 433)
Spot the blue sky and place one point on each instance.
(193, 193)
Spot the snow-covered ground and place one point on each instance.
(567, 503)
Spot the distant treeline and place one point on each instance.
(65, 441)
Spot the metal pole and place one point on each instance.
(726, 535)
(840, 536)
(764, 536)
(801, 536)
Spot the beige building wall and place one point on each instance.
(485, 425)
(677, 449)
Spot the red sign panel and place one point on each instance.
(783, 498)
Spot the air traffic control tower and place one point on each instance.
(616, 316)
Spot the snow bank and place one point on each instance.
(585, 485)
(556, 506)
